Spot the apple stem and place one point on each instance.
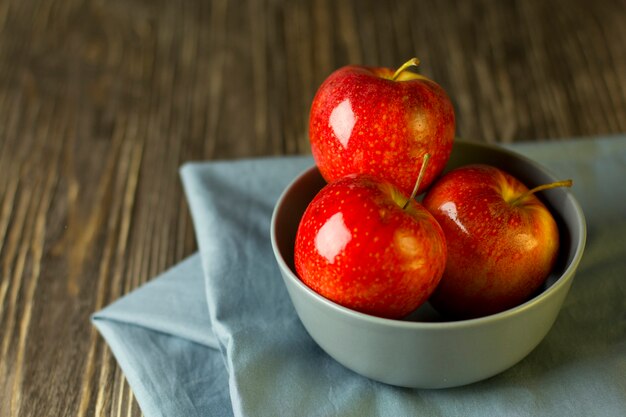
(419, 180)
(521, 197)
(411, 63)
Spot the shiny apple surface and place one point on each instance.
(501, 247)
(357, 246)
(364, 122)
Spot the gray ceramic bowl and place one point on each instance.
(424, 351)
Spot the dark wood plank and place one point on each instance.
(102, 101)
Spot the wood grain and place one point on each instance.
(102, 101)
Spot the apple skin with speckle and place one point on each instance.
(501, 248)
(364, 122)
(357, 246)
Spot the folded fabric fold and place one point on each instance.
(157, 305)
(162, 338)
(217, 334)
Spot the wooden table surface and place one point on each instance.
(102, 101)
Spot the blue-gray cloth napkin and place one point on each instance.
(217, 335)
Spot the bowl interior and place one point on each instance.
(565, 209)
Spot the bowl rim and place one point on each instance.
(567, 275)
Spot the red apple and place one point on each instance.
(502, 240)
(366, 120)
(358, 246)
